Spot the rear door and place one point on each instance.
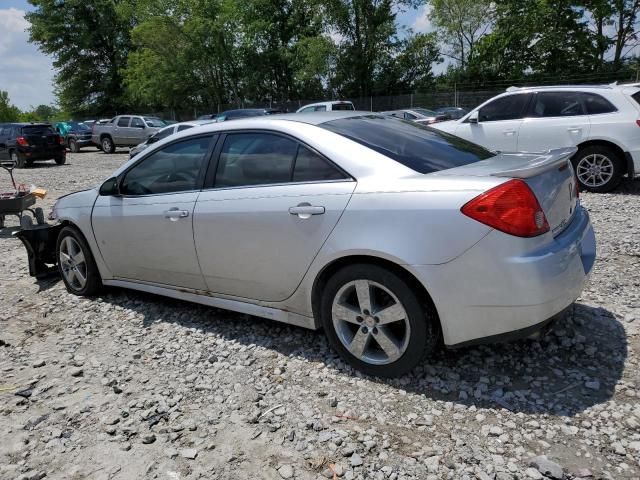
(499, 122)
(554, 120)
(267, 213)
(121, 135)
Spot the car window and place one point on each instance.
(124, 121)
(311, 167)
(510, 107)
(37, 130)
(596, 104)
(423, 149)
(255, 159)
(174, 168)
(557, 104)
(342, 106)
(321, 108)
(137, 122)
(409, 116)
(154, 122)
(308, 109)
(184, 127)
(164, 133)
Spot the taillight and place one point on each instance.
(511, 208)
(22, 142)
(60, 140)
(638, 122)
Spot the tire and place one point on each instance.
(70, 243)
(599, 169)
(107, 145)
(61, 160)
(18, 159)
(73, 145)
(416, 334)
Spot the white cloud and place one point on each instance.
(422, 23)
(25, 72)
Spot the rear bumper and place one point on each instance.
(505, 284)
(34, 153)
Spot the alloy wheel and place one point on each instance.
(370, 322)
(595, 170)
(73, 263)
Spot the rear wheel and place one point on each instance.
(598, 168)
(76, 264)
(107, 145)
(61, 160)
(73, 145)
(18, 159)
(376, 322)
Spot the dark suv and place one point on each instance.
(25, 143)
(76, 134)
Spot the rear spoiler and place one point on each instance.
(543, 162)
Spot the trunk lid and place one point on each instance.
(549, 175)
(40, 135)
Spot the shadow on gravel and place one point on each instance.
(628, 187)
(574, 366)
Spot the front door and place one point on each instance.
(138, 131)
(272, 206)
(121, 131)
(146, 233)
(499, 122)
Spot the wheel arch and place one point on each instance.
(609, 144)
(337, 264)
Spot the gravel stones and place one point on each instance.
(547, 467)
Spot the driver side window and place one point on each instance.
(174, 168)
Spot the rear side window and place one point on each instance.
(510, 107)
(311, 167)
(596, 104)
(420, 148)
(37, 130)
(184, 127)
(322, 108)
(557, 104)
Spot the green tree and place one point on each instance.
(461, 24)
(89, 42)
(8, 112)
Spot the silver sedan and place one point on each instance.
(390, 236)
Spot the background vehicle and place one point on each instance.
(165, 132)
(25, 143)
(602, 121)
(327, 106)
(125, 131)
(75, 134)
(418, 115)
(358, 223)
(454, 113)
(245, 113)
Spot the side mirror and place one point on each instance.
(110, 188)
(473, 118)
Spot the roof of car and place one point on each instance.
(311, 118)
(611, 86)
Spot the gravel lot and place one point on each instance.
(131, 386)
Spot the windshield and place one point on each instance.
(420, 148)
(154, 122)
(77, 126)
(425, 112)
(37, 130)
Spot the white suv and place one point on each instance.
(326, 106)
(602, 121)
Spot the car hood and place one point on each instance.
(83, 198)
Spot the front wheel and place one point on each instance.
(107, 145)
(375, 320)
(599, 169)
(76, 264)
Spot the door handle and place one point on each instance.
(175, 213)
(305, 210)
(574, 129)
(509, 133)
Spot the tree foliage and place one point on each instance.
(8, 111)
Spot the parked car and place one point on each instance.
(454, 113)
(390, 235)
(164, 133)
(326, 106)
(76, 134)
(25, 143)
(240, 113)
(125, 131)
(602, 121)
(418, 115)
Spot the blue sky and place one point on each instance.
(27, 74)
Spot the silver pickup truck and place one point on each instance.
(125, 131)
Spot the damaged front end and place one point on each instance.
(40, 242)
